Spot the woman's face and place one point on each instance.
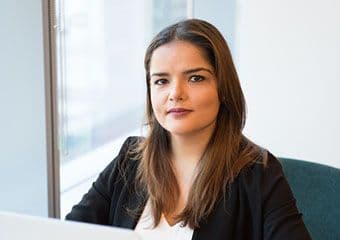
(183, 89)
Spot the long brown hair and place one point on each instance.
(228, 150)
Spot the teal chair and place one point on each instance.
(316, 188)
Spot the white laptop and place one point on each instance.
(24, 227)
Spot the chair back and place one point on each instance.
(317, 192)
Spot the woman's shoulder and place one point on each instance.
(265, 178)
(256, 161)
(261, 174)
(124, 162)
(129, 149)
(268, 194)
(130, 144)
(266, 165)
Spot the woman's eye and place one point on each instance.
(196, 78)
(160, 81)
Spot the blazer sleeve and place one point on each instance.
(282, 219)
(94, 206)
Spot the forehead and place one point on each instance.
(178, 55)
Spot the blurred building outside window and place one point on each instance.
(101, 85)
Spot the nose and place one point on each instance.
(177, 91)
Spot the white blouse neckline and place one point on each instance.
(164, 230)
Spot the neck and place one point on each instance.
(188, 149)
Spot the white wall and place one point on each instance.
(288, 57)
(221, 13)
(23, 180)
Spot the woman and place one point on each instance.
(195, 176)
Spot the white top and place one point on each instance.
(163, 231)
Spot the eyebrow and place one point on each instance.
(189, 71)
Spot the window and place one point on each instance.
(101, 85)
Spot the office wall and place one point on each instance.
(221, 13)
(288, 57)
(23, 180)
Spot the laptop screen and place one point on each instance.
(23, 227)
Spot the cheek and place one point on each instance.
(208, 100)
(212, 106)
(157, 101)
(153, 101)
(209, 107)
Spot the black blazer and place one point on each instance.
(260, 204)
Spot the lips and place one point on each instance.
(178, 110)
(179, 113)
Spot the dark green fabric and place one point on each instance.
(317, 191)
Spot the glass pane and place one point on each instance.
(101, 81)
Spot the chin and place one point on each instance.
(182, 131)
(189, 128)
